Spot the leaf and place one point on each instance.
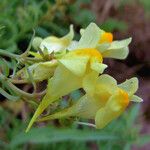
(127, 146)
(3, 145)
(114, 24)
(86, 16)
(8, 96)
(51, 135)
(4, 66)
(132, 114)
(143, 140)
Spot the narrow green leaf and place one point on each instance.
(4, 66)
(50, 135)
(143, 139)
(132, 114)
(8, 96)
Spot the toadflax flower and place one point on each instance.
(104, 100)
(109, 48)
(54, 44)
(74, 66)
(39, 71)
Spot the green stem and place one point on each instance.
(18, 91)
(33, 59)
(15, 81)
(8, 96)
(8, 54)
(26, 53)
(31, 79)
(19, 57)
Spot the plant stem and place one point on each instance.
(15, 81)
(8, 96)
(19, 91)
(8, 54)
(26, 53)
(33, 59)
(17, 57)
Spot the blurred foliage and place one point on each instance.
(124, 135)
(114, 24)
(144, 3)
(19, 18)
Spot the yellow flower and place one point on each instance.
(53, 43)
(104, 100)
(105, 44)
(74, 67)
(113, 49)
(69, 74)
(39, 71)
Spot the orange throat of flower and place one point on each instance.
(125, 96)
(106, 37)
(91, 52)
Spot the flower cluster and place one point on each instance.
(79, 64)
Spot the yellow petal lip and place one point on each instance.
(91, 52)
(125, 102)
(106, 37)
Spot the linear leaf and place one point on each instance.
(49, 135)
(8, 96)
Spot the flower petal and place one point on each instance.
(120, 44)
(98, 67)
(103, 47)
(135, 98)
(85, 107)
(36, 42)
(55, 44)
(108, 83)
(76, 64)
(117, 53)
(42, 71)
(117, 49)
(90, 36)
(113, 109)
(38, 71)
(62, 83)
(130, 86)
(72, 46)
(89, 82)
